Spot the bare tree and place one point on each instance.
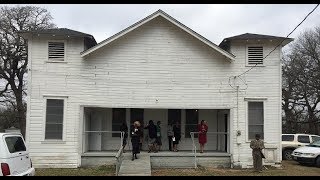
(13, 51)
(301, 82)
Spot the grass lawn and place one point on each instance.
(96, 171)
(289, 168)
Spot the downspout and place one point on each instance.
(238, 131)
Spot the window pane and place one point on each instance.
(303, 139)
(136, 115)
(174, 115)
(315, 138)
(255, 119)
(287, 137)
(15, 144)
(255, 129)
(192, 117)
(118, 116)
(54, 119)
(53, 131)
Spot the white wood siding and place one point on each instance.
(154, 66)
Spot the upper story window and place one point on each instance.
(56, 50)
(254, 55)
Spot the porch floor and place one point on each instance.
(160, 153)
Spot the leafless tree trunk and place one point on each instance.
(13, 51)
(301, 82)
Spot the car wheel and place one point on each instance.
(287, 154)
(318, 161)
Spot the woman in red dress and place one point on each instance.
(202, 129)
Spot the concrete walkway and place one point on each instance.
(138, 167)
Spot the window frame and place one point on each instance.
(264, 101)
(247, 55)
(118, 125)
(187, 134)
(65, 52)
(44, 140)
(288, 135)
(304, 136)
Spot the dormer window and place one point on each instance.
(56, 50)
(254, 55)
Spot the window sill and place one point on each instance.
(53, 142)
(259, 65)
(51, 61)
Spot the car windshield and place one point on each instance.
(314, 144)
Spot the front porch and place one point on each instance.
(101, 138)
(162, 159)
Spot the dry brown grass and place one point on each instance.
(289, 168)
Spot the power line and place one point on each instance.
(272, 50)
(281, 41)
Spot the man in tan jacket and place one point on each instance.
(257, 145)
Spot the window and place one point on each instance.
(192, 117)
(118, 117)
(15, 144)
(255, 119)
(56, 51)
(315, 138)
(287, 137)
(54, 119)
(136, 115)
(174, 115)
(304, 139)
(255, 55)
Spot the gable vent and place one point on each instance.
(56, 50)
(255, 55)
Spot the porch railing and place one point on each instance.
(194, 146)
(119, 155)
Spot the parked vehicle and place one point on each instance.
(310, 154)
(292, 141)
(14, 156)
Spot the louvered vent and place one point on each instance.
(56, 51)
(255, 55)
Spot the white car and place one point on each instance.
(14, 156)
(310, 154)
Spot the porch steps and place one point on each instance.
(138, 167)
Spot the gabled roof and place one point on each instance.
(254, 36)
(250, 36)
(151, 17)
(63, 32)
(59, 31)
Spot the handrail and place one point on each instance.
(119, 155)
(194, 147)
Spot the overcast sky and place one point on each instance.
(213, 21)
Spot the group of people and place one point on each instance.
(174, 136)
(154, 136)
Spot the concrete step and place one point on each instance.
(138, 167)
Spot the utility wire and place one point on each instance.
(282, 40)
(278, 44)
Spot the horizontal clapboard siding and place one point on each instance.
(155, 66)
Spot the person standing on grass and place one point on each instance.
(202, 129)
(257, 145)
